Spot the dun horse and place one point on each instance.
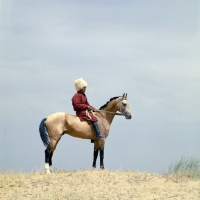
(56, 125)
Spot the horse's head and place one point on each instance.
(123, 106)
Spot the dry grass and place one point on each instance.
(97, 184)
(189, 167)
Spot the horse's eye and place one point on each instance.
(124, 104)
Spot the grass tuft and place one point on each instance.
(188, 167)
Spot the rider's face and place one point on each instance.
(83, 90)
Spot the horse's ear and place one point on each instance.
(123, 96)
(126, 96)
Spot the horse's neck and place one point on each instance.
(111, 110)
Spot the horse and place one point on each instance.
(53, 127)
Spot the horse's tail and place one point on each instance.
(43, 133)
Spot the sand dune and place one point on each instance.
(97, 184)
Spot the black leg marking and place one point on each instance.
(47, 155)
(95, 157)
(101, 158)
(50, 159)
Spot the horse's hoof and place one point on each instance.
(50, 168)
(102, 167)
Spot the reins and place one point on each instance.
(110, 112)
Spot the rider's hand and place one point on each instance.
(90, 108)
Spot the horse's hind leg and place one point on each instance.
(47, 159)
(50, 161)
(49, 153)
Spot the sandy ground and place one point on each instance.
(97, 184)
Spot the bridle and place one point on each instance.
(119, 114)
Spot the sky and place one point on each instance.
(148, 49)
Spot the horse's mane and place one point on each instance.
(108, 103)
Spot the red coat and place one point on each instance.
(80, 105)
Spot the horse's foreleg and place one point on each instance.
(95, 155)
(101, 158)
(47, 159)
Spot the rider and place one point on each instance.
(83, 108)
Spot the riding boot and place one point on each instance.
(96, 128)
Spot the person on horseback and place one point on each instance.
(83, 108)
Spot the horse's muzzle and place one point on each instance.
(127, 115)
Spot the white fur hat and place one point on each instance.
(80, 84)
